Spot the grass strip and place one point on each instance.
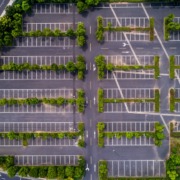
(156, 67)
(172, 67)
(157, 100)
(100, 97)
(172, 100)
(151, 29)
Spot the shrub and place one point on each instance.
(102, 170)
(100, 100)
(172, 67)
(52, 172)
(101, 65)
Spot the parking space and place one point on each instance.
(129, 93)
(38, 142)
(36, 126)
(175, 35)
(128, 75)
(53, 9)
(64, 42)
(127, 22)
(123, 141)
(126, 60)
(130, 60)
(36, 75)
(39, 93)
(129, 126)
(36, 160)
(136, 168)
(40, 26)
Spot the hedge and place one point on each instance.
(156, 67)
(172, 100)
(157, 100)
(78, 68)
(100, 100)
(102, 170)
(172, 67)
(7, 163)
(80, 101)
(151, 28)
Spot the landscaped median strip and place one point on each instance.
(100, 29)
(7, 163)
(173, 100)
(25, 136)
(78, 68)
(157, 135)
(102, 100)
(103, 67)
(59, 101)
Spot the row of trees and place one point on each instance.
(78, 68)
(50, 172)
(59, 101)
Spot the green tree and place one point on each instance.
(12, 135)
(78, 172)
(61, 172)
(71, 67)
(34, 172)
(92, 2)
(81, 6)
(23, 171)
(69, 171)
(25, 6)
(12, 171)
(52, 172)
(43, 172)
(81, 143)
(70, 32)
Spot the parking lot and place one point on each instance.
(37, 160)
(36, 126)
(36, 75)
(38, 93)
(128, 60)
(136, 168)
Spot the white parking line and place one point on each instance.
(136, 168)
(36, 160)
(40, 26)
